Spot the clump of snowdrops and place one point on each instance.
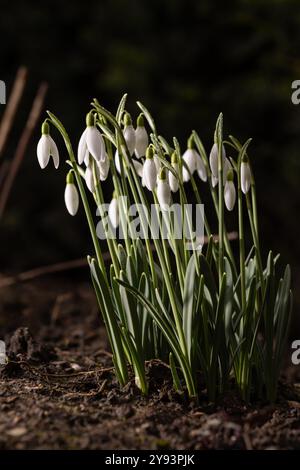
(209, 313)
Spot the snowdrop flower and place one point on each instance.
(200, 167)
(149, 170)
(229, 192)
(91, 141)
(173, 180)
(190, 159)
(137, 165)
(141, 138)
(226, 168)
(129, 134)
(163, 190)
(47, 148)
(89, 175)
(113, 212)
(213, 159)
(71, 195)
(245, 175)
(138, 168)
(117, 161)
(104, 168)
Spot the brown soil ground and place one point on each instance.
(58, 390)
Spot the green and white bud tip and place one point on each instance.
(70, 177)
(127, 120)
(149, 153)
(191, 143)
(45, 128)
(162, 174)
(174, 158)
(90, 119)
(140, 121)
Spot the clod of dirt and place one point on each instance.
(23, 344)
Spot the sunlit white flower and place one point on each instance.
(173, 180)
(163, 190)
(91, 141)
(213, 159)
(245, 176)
(229, 192)
(149, 170)
(113, 212)
(129, 134)
(71, 195)
(141, 138)
(47, 148)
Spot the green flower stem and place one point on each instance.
(241, 244)
(256, 243)
(111, 241)
(221, 199)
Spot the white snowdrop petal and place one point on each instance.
(71, 198)
(163, 193)
(113, 213)
(149, 174)
(190, 158)
(89, 178)
(138, 168)
(226, 167)
(173, 180)
(214, 181)
(229, 195)
(54, 152)
(213, 159)
(129, 136)
(87, 157)
(245, 177)
(141, 141)
(104, 169)
(95, 143)
(82, 148)
(43, 151)
(201, 169)
(117, 162)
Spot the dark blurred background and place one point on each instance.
(187, 61)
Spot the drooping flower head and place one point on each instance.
(113, 211)
(149, 170)
(71, 194)
(129, 133)
(47, 148)
(229, 191)
(173, 180)
(163, 190)
(213, 159)
(141, 137)
(245, 175)
(189, 160)
(91, 142)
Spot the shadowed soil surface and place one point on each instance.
(58, 390)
